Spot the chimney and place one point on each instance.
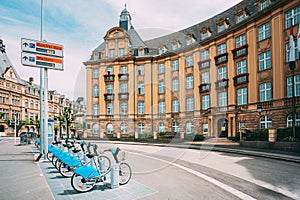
(31, 80)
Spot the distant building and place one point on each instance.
(20, 100)
(214, 78)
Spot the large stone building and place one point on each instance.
(20, 100)
(222, 74)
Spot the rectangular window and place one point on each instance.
(264, 60)
(240, 41)
(141, 52)
(95, 73)
(95, 109)
(162, 107)
(141, 108)
(189, 82)
(111, 53)
(110, 70)
(189, 104)
(175, 106)
(265, 92)
(175, 66)
(222, 99)
(109, 88)
(205, 55)
(292, 17)
(287, 50)
(204, 35)
(110, 110)
(161, 68)
(242, 96)
(123, 88)
(205, 128)
(123, 108)
(141, 89)
(290, 85)
(205, 77)
(96, 91)
(222, 48)
(141, 71)
(205, 102)
(241, 67)
(121, 52)
(123, 69)
(264, 32)
(222, 73)
(161, 87)
(189, 61)
(175, 85)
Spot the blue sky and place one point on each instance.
(80, 25)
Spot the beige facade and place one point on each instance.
(215, 78)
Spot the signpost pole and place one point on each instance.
(41, 90)
(46, 111)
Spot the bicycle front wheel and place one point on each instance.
(104, 163)
(81, 184)
(65, 170)
(124, 173)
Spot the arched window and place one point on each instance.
(141, 128)
(110, 128)
(161, 127)
(265, 122)
(124, 128)
(95, 91)
(189, 127)
(290, 120)
(175, 127)
(96, 129)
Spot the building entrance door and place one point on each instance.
(223, 127)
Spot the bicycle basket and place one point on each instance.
(122, 156)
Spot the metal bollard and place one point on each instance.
(114, 176)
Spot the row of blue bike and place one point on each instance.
(85, 164)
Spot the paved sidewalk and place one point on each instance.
(21, 177)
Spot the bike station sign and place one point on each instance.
(41, 54)
(37, 60)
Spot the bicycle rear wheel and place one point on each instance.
(124, 173)
(81, 184)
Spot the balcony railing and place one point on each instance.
(123, 77)
(204, 64)
(223, 83)
(204, 87)
(240, 79)
(240, 51)
(123, 96)
(109, 97)
(109, 77)
(221, 58)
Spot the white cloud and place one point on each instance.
(80, 26)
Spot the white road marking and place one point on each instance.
(207, 178)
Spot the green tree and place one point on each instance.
(61, 121)
(69, 116)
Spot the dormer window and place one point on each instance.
(190, 39)
(241, 15)
(141, 51)
(222, 24)
(205, 33)
(263, 4)
(175, 45)
(162, 49)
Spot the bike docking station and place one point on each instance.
(114, 176)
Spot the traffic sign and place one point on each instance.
(41, 61)
(39, 47)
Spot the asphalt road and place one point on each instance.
(159, 173)
(197, 174)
